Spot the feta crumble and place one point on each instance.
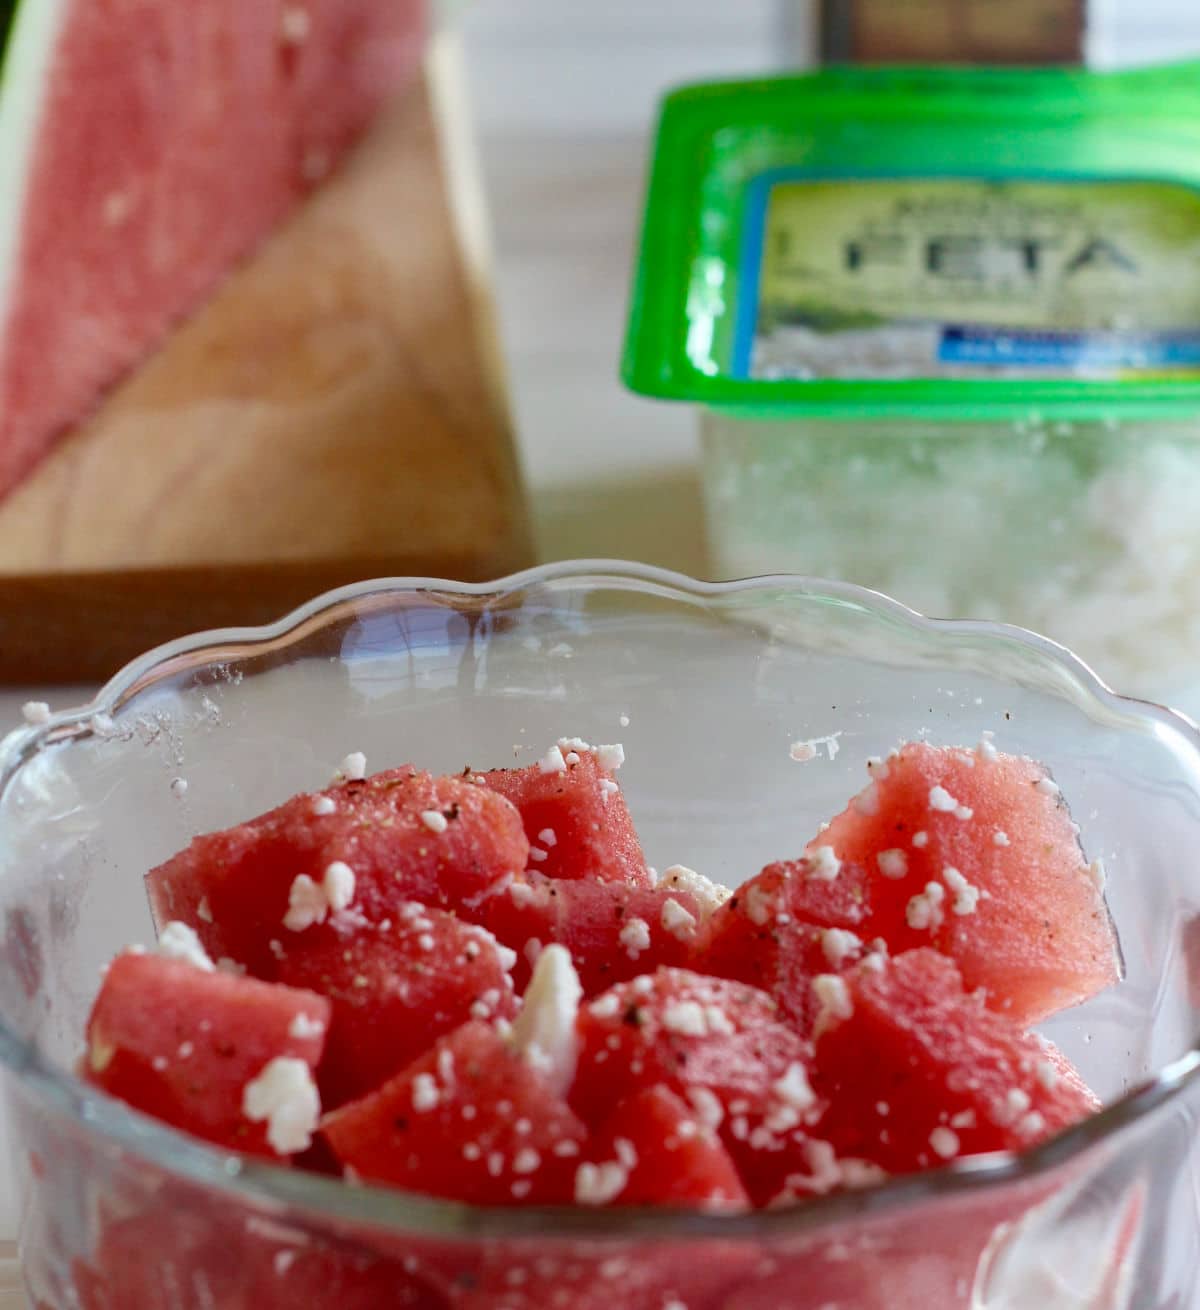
(944, 1142)
(924, 911)
(893, 863)
(284, 1097)
(833, 1001)
(338, 885)
(323, 805)
(552, 761)
(677, 920)
(823, 864)
(1000, 838)
(920, 839)
(839, 945)
(966, 897)
(544, 1031)
(598, 1184)
(941, 800)
(304, 1026)
(353, 768)
(426, 1095)
(178, 941)
(710, 895)
(434, 820)
(635, 937)
(1047, 787)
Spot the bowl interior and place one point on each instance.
(706, 687)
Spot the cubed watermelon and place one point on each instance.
(575, 814)
(974, 853)
(653, 1150)
(396, 986)
(471, 1120)
(717, 1043)
(914, 1071)
(785, 926)
(227, 1058)
(366, 846)
(614, 931)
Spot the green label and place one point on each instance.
(962, 278)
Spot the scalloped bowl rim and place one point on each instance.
(319, 1198)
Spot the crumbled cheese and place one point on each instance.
(963, 1119)
(284, 1097)
(548, 837)
(710, 895)
(1031, 1124)
(924, 911)
(179, 788)
(1000, 838)
(566, 744)
(794, 1089)
(338, 885)
(426, 1095)
(986, 749)
(607, 1007)
(537, 855)
(598, 1184)
(526, 1161)
(1047, 1074)
(179, 942)
(964, 812)
(303, 1027)
(635, 937)
(294, 25)
(760, 905)
(425, 941)
(186, 1050)
(626, 1152)
(823, 864)
(203, 912)
(35, 712)
(434, 820)
(352, 769)
(322, 805)
(966, 897)
(920, 839)
(883, 1109)
(607, 788)
(718, 1021)
(544, 1032)
(552, 761)
(1047, 787)
(944, 1142)
(677, 920)
(839, 944)
(307, 904)
(686, 1018)
(707, 1105)
(892, 863)
(611, 757)
(1098, 874)
(833, 1001)
(866, 802)
(940, 799)
(875, 962)
(877, 768)
(571, 758)
(861, 1173)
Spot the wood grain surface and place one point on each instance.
(330, 414)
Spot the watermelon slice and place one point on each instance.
(915, 1072)
(227, 1058)
(654, 1151)
(574, 814)
(147, 147)
(785, 926)
(363, 849)
(614, 931)
(396, 987)
(471, 1120)
(974, 854)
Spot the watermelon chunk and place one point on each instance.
(575, 815)
(614, 931)
(396, 987)
(974, 853)
(402, 835)
(115, 120)
(471, 1120)
(914, 1071)
(654, 1151)
(785, 926)
(226, 1058)
(717, 1043)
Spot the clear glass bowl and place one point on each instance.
(707, 686)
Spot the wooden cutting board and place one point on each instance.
(335, 412)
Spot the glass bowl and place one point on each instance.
(707, 685)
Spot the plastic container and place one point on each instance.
(944, 329)
(122, 1213)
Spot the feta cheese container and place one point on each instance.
(943, 327)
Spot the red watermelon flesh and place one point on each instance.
(785, 926)
(183, 1044)
(470, 1120)
(403, 834)
(396, 987)
(717, 1043)
(127, 193)
(989, 871)
(614, 931)
(575, 816)
(654, 1151)
(914, 1071)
